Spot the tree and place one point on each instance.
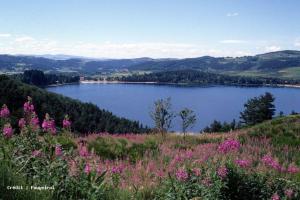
(258, 109)
(188, 119)
(162, 115)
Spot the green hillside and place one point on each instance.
(259, 162)
(271, 64)
(86, 117)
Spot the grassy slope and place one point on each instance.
(287, 73)
(282, 132)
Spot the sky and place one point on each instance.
(149, 28)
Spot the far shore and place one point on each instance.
(112, 82)
(129, 82)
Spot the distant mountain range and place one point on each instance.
(273, 63)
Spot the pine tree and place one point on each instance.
(258, 109)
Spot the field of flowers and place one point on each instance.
(260, 162)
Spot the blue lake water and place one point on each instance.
(134, 101)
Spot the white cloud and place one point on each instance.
(272, 48)
(233, 41)
(29, 45)
(23, 44)
(233, 14)
(24, 39)
(5, 35)
(297, 43)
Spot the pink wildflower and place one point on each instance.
(34, 121)
(243, 163)
(66, 122)
(182, 175)
(22, 123)
(207, 182)
(289, 193)
(7, 131)
(160, 173)
(229, 145)
(28, 107)
(49, 125)
(222, 172)
(270, 162)
(189, 154)
(83, 152)
(178, 158)
(36, 153)
(4, 112)
(196, 171)
(58, 150)
(116, 170)
(293, 169)
(275, 197)
(87, 168)
(99, 169)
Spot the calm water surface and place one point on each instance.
(134, 101)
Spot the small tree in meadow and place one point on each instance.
(188, 120)
(162, 115)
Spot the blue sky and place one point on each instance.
(156, 28)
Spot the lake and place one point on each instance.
(134, 101)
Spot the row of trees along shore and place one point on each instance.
(41, 79)
(203, 78)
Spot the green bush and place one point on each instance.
(66, 142)
(111, 148)
(108, 148)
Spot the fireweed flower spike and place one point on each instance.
(22, 123)
(4, 112)
(243, 163)
(28, 107)
(229, 145)
(66, 122)
(275, 197)
(87, 168)
(58, 150)
(34, 121)
(289, 193)
(222, 172)
(83, 152)
(270, 162)
(48, 125)
(182, 175)
(7, 131)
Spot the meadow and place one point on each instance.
(258, 162)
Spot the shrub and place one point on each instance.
(108, 147)
(66, 142)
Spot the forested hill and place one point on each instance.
(39, 78)
(273, 62)
(202, 78)
(86, 117)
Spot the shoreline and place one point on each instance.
(62, 84)
(116, 82)
(192, 84)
